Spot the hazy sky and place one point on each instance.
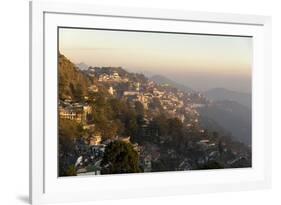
(199, 61)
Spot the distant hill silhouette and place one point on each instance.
(164, 80)
(231, 117)
(220, 94)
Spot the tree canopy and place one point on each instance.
(120, 157)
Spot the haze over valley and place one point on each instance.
(132, 102)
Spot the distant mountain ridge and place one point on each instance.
(231, 116)
(164, 80)
(222, 94)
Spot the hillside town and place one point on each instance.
(167, 134)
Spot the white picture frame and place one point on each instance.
(46, 187)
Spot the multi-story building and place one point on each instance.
(77, 112)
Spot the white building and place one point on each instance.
(111, 90)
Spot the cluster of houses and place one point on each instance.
(74, 111)
(178, 104)
(182, 105)
(114, 77)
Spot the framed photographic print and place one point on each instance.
(129, 102)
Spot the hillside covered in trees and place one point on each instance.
(113, 121)
(72, 83)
